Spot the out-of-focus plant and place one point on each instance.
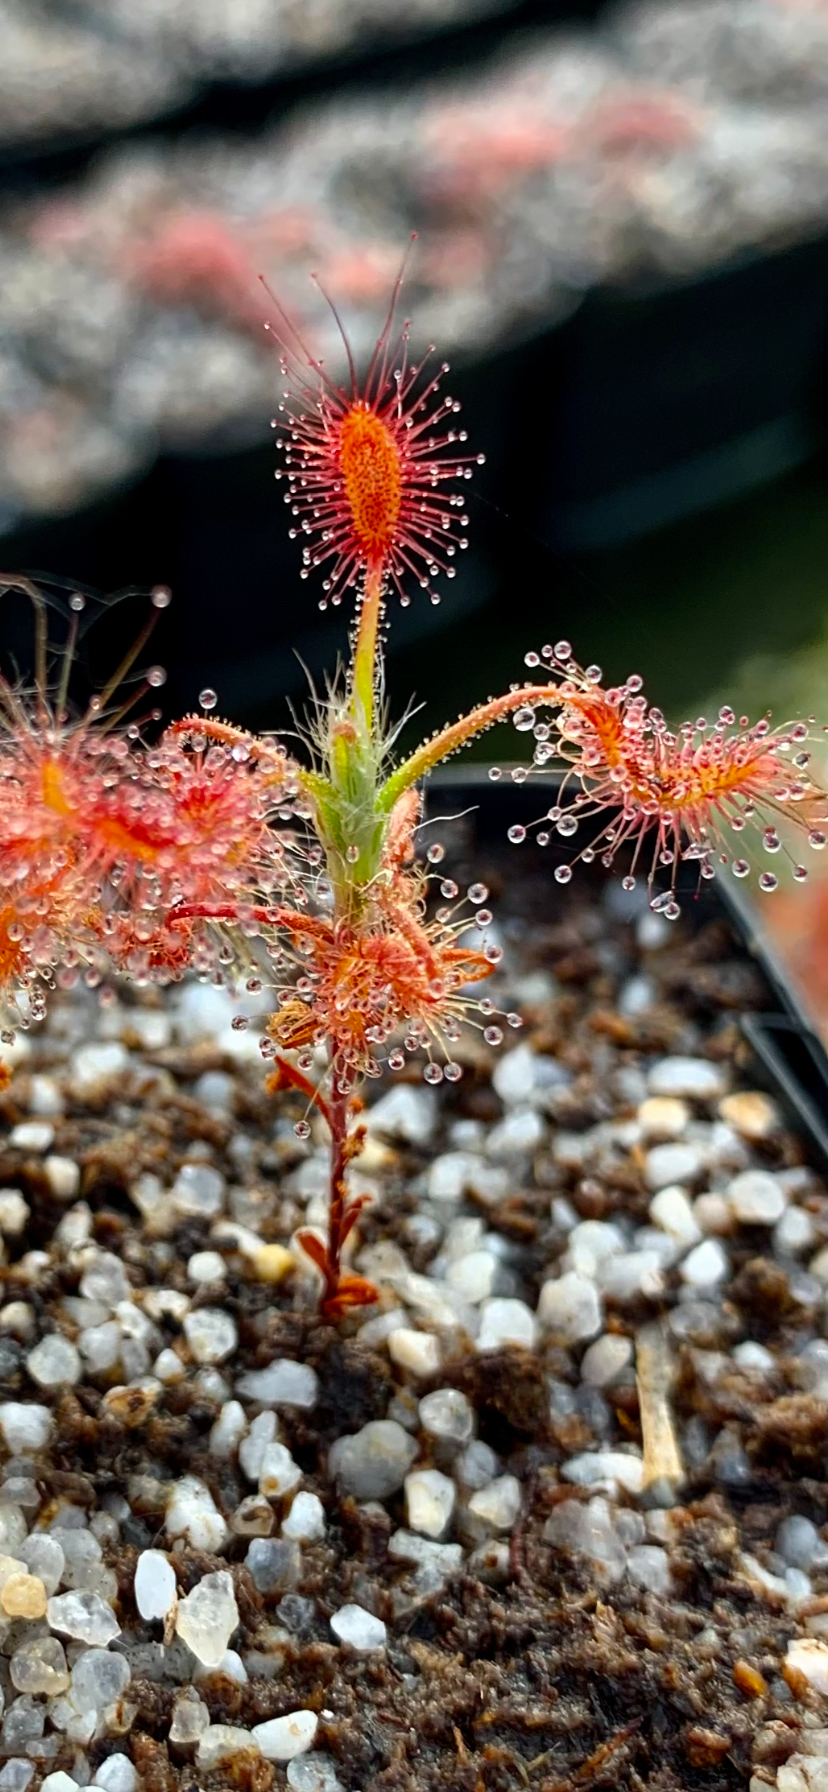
(214, 850)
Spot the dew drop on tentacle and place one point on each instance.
(517, 834)
(524, 719)
(817, 839)
(302, 1129)
(453, 1072)
(563, 874)
(207, 699)
(435, 853)
(433, 1073)
(477, 892)
(493, 1035)
(396, 1060)
(155, 677)
(767, 881)
(160, 598)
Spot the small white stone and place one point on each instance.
(751, 1113)
(447, 1414)
(283, 1738)
(429, 1501)
(513, 1076)
(808, 1656)
(207, 1617)
(706, 1265)
(417, 1352)
(198, 1191)
(371, 1464)
(220, 1742)
(58, 1782)
(279, 1474)
(666, 1164)
(100, 1346)
(504, 1322)
(671, 1209)
(154, 1584)
(206, 1266)
(712, 1211)
(104, 1278)
(63, 1176)
(756, 1198)
(588, 1530)
(605, 1468)
(252, 1447)
(473, 1276)
(590, 1243)
(404, 1112)
(97, 1064)
(606, 1360)
(54, 1362)
(283, 1383)
(663, 1117)
(571, 1306)
(25, 1425)
(749, 1355)
(353, 1625)
(32, 1135)
(229, 1429)
(43, 1556)
(211, 1334)
(14, 1212)
(45, 1098)
(192, 1513)
(305, 1522)
(632, 1273)
(497, 1505)
(794, 1233)
(649, 1566)
(458, 1173)
(116, 1774)
(695, 1078)
(521, 1132)
(83, 1615)
(315, 1773)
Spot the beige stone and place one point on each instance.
(23, 1596)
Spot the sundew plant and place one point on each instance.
(206, 849)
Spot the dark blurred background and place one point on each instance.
(622, 214)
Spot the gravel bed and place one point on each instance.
(554, 1513)
(131, 312)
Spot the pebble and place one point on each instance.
(274, 1564)
(63, 1176)
(207, 1617)
(305, 1521)
(353, 1625)
(663, 1117)
(521, 1132)
(504, 1322)
(649, 1566)
(190, 1717)
(43, 1556)
(473, 1276)
(154, 1584)
(206, 1267)
(220, 1742)
(808, 1656)
(429, 1501)
(313, 1773)
(631, 1274)
(606, 1360)
(40, 1667)
(497, 1505)
(16, 1774)
(252, 1447)
(84, 1616)
(283, 1738)
(32, 1135)
(447, 1414)
(279, 1474)
(671, 1209)
(756, 1198)
(198, 1191)
(514, 1076)
(588, 1530)
(229, 1429)
(372, 1463)
(23, 1596)
(751, 1113)
(613, 1468)
(570, 1305)
(192, 1513)
(116, 1774)
(749, 1355)
(694, 1078)
(405, 1546)
(45, 1097)
(54, 1362)
(799, 1543)
(283, 1383)
(14, 1212)
(590, 1243)
(211, 1334)
(98, 1679)
(417, 1352)
(795, 1232)
(93, 1066)
(666, 1164)
(707, 1265)
(406, 1113)
(712, 1211)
